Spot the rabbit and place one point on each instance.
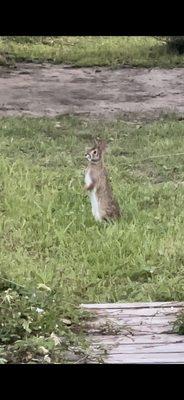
(104, 206)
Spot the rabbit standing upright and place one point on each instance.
(104, 206)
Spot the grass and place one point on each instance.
(142, 51)
(51, 249)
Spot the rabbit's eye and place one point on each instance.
(94, 152)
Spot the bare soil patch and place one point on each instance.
(52, 90)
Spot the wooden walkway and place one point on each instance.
(135, 333)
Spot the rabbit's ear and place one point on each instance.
(102, 144)
(96, 142)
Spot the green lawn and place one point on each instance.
(50, 243)
(142, 51)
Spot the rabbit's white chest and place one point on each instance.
(88, 180)
(93, 197)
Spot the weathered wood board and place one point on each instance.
(135, 333)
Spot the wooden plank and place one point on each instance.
(131, 321)
(136, 329)
(141, 339)
(142, 348)
(133, 305)
(165, 358)
(140, 312)
(135, 333)
(134, 320)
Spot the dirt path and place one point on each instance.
(50, 90)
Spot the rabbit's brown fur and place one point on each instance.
(104, 206)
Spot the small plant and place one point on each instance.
(178, 326)
(35, 320)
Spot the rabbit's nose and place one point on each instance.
(87, 155)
